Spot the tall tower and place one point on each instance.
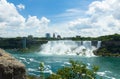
(53, 35)
(47, 35)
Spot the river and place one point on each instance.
(57, 54)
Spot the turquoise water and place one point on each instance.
(109, 66)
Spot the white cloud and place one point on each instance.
(103, 18)
(72, 10)
(9, 15)
(14, 24)
(70, 13)
(20, 6)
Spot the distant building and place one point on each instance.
(48, 35)
(53, 35)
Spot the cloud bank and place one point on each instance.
(13, 24)
(102, 18)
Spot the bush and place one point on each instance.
(77, 70)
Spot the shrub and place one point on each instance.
(77, 70)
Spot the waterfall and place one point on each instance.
(98, 44)
(68, 47)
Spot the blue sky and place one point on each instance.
(51, 8)
(64, 17)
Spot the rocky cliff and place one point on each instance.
(10, 68)
(109, 48)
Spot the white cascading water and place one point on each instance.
(98, 44)
(68, 47)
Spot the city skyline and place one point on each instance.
(65, 17)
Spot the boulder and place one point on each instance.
(11, 68)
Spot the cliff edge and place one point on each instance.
(11, 68)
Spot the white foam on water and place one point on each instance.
(68, 47)
(88, 64)
(31, 69)
(47, 67)
(58, 61)
(48, 71)
(108, 72)
(24, 60)
(66, 63)
(104, 74)
(33, 60)
(63, 65)
(101, 73)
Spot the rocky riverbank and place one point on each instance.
(10, 68)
